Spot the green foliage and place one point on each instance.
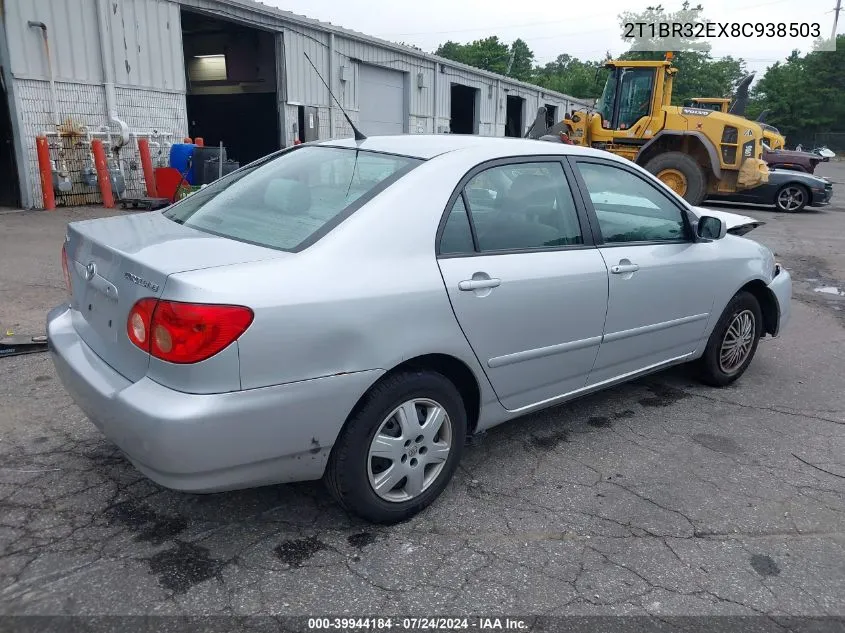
(522, 62)
(803, 95)
(488, 54)
(571, 76)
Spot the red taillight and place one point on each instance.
(66, 270)
(139, 323)
(185, 332)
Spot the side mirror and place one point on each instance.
(710, 228)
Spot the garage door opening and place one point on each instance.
(464, 110)
(381, 100)
(232, 90)
(514, 116)
(10, 195)
(551, 115)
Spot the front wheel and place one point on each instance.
(733, 342)
(399, 449)
(792, 198)
(681, 173)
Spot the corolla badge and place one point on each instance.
(90, 271)
(135, 279)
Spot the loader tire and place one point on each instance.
(681, 173)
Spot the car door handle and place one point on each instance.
(479, 284)
(621, 269)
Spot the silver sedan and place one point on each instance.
(353, 310)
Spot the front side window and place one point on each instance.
(629, 209)
(607, 101)
(284, 201)
(529, 206)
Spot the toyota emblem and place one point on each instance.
(90, 271)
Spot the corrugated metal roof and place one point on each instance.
(301, 20)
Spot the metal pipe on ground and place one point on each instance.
(147, 165)
(45, 169)
(103, 178)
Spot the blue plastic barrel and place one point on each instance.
(180, 154)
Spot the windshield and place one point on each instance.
(634, 97)
(286, 201)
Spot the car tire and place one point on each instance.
(741, 321)
(353, 471)
(792, 198)
(692, 172)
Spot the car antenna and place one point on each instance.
(359, 136)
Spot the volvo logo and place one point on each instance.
(90, 271)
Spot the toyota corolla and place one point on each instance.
(352, 310)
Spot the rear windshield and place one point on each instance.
(290, 201)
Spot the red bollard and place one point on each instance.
(147, 166)
(102, 167)
(46, 170)
(199, 141)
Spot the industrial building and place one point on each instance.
(232, 71)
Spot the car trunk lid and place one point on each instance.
(114, 262)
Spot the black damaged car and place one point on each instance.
(787, 190)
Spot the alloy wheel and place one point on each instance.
(737, 342)
(791, 198)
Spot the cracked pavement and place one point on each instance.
(661, 497)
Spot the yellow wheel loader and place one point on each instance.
(693, 150)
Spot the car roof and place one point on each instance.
(427, 146)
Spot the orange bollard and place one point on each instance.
(102, 167)
(46, 170)
(199, 141)
(147, 166)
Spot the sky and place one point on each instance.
(552, 28)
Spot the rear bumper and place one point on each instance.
(205, 443)
(781, 288)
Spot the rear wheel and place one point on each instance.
(401, 447)
(681, 173)
(732, 344)
(792, 198)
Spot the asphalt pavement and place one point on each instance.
(661, 497)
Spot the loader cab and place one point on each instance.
(634, 92)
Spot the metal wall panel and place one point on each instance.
(72, 32)
(303, 84)
(146, 40)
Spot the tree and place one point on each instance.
(803, 96)
(522, 61)
(571, 76)
(488, 54)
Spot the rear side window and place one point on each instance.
(288, 201)
(523, 206)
